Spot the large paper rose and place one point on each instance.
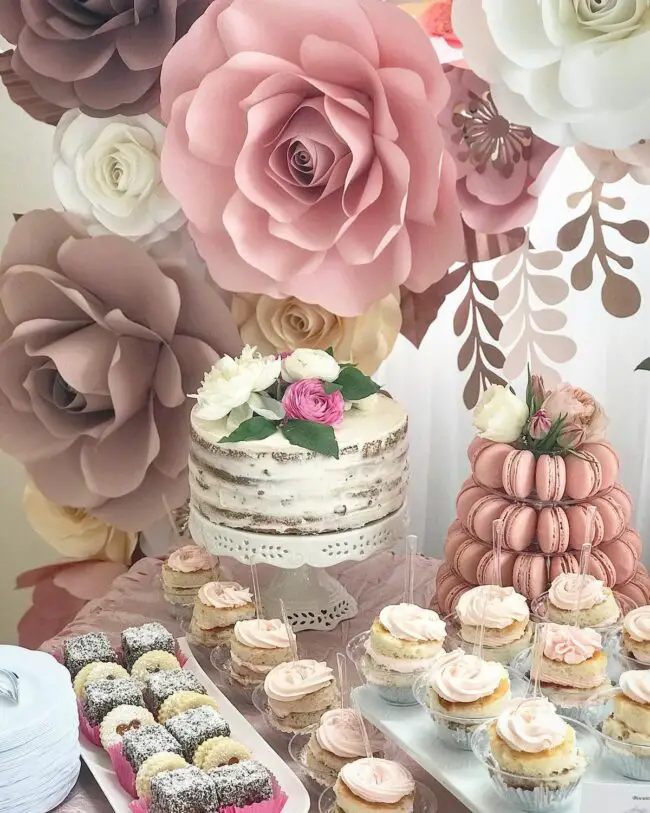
(107, 171)
(103, 56)
(502, 167)
(276, 325)
(304, 147)
(572, 70)
(99, 345)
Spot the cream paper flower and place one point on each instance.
(276, 325)
(571, 70)
(74, 533)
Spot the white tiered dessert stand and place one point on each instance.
(313, 599)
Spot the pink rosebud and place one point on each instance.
(284, 354)
(307, 400)
(540, 424)
(538, 388)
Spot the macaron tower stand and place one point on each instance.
(543, 503)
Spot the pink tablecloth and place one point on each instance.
(136, 597)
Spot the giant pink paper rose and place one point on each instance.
(304, 147)
(502, 167)
(99, 345)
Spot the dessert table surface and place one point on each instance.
(137, 597)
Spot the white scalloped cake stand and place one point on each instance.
(313, 599)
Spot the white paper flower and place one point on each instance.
(571, 70)
(107, 171)
(500, 415)
(308, 363)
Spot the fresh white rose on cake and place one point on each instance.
(499, 415)
(307, 363)
(573, 71)
(107, 172)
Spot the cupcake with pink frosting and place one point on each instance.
(627, 731)
(298, 693)
(185, 571)
(336, 742)
(635, 638)
(373, 786)
(504, 615)
(218, 607)
(257, 645)
(596, 603)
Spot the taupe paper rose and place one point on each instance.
(99, 344)
(103, 56)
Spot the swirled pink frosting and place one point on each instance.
(495, 607)
(224, 595)
(378, 781)
(340, 733)
(531, 725)
(189, 559)
(570, 645)
(461, 678)
(566, 591)
(263, 634)
(636, 685)
(637, 623)
(408, 622)
(296, 679)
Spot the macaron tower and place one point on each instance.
(544, 468)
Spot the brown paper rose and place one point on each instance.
(275, 325)
(99, 344)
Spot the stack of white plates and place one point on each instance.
(39, 734)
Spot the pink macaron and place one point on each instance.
(466, 559)
(454, 596)
(486, 572)
(624, 499)
(469, 494)
(487, 463)
(625, 603)
(483, 513)
(550, 477)
(529, 575)
(520, 524)
(446, 580)
(601, 567)
(608, 458)
(519, 473)
(634, 591)
(579, 532)
(612, 515)
(584, 475)
(564, 563)
(553, 529)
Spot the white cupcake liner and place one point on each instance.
(628, 764)
(456, 734)
(538, 799)
(592, 714)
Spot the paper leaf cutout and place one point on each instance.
(23, 94)
(419, 311)
(528, 330)
(645, 365)
(620, 295)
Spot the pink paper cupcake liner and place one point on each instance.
(274, 805)
(90, 732)
(122, 767)
(139, 806)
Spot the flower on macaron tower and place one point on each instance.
(303, 395)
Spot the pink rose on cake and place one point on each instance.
(307, 400)
(580, 410)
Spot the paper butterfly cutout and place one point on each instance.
(9, 685)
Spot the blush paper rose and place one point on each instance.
(307, 400)
(99, 345)
(304, 147)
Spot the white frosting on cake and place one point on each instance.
(271, 486)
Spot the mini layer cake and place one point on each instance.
(299, 692)
(573, 657)
(105, 695)
(257, 646)
(139, 744)
(464, 686)
(534, 745)
(193, 727)
(246, 783)
(337, 741)
(138, 640)
(81, 650)
(505, 616)
(404, 639)
(187, 570)
(218, 607)
(630, 721)
(161, 685)
(635, 640)
(598, 607)
(184, 790)
(373, 786)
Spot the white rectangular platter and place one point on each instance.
(458, 771)
(298, 802)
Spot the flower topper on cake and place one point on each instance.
(557, 421)
(303, 394)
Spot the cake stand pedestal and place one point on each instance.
(313, 599)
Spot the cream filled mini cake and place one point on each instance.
(630, 721)
(272, 485)
(464, 686)
(635, 638)
(337, 741)
(504, 615)
(218, 607)
(299, 693)
(257, 645)
(573, 658)
(597, 605)
(374, 785)
(185, 571)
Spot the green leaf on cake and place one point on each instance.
(645, 365)
(330, 387)
(255, 428)
(355, 385)
(330, 351)
(317, 437)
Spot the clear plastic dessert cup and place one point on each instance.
(504, 653)
(626, 758)
(626, 659)
(222, 665)
(261, 703)
(535, 793)
(539, 608)
(425, 800)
